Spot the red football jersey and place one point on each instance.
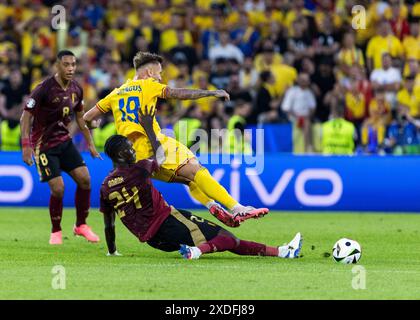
(129, 191)
(52, 108)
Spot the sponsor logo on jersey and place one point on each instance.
(30, 103)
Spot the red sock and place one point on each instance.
(248, 248)
(82, 202)
(56, 212)
(219, 243)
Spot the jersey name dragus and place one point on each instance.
(129, 89)
(125, 103)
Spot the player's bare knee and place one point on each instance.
(57, 190)
(189, 170)
(84, 182)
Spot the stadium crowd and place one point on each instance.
(299, 62)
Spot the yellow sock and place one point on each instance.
(213, 189)
(199, 195)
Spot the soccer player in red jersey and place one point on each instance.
(45, 135)
(129, 192)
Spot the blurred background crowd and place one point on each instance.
(342, 85)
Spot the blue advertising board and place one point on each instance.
(277, 181)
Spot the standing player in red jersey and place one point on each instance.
(45, 135)
(129, 192)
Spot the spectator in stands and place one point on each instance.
(414, 69)
(374, 127)
(237, 142)
(300, 44)
(338, 134)
(349, 55)
(326, 44)
(11, 98)
(322, 82)
(384, 41)
(236, 92)
(149, 31)
(248, 76)
(355, 102)
(266, 108)
(277, 35)
(254, 5)
(411, 42)
(333, 97)
(225, 49)
(402, 136)
(281, 67)
(409, 98)
(266, 58)
(184, 52)
(220, 74)
(245, 36)
(211, 36)
(169, 38)
(387, 78)
(398, 20)
(299, 104)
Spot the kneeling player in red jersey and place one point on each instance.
(128, 191)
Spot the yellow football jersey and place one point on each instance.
(125, 102)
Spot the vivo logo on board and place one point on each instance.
(27, 184)
(270, 198)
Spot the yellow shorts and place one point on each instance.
(177, 155)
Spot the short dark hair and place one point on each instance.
(265, 76)
(113, 145)
(63, 53)
(340, 107)
(142, 58)
(411, 77)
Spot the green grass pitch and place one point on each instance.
(390, 256)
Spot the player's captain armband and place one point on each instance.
(30, 104)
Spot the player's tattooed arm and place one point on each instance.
(192, 94)
(109, 220)
(146, 120)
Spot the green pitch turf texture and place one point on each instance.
(390, 245)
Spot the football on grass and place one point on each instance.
(347, 251)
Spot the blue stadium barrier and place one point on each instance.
(286, 182)
(277, 137)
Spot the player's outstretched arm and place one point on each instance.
(192, 94)
(109, 220)
(146, 120)
(91, 116)
(25, 128)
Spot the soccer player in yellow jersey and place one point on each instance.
(181, 165)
